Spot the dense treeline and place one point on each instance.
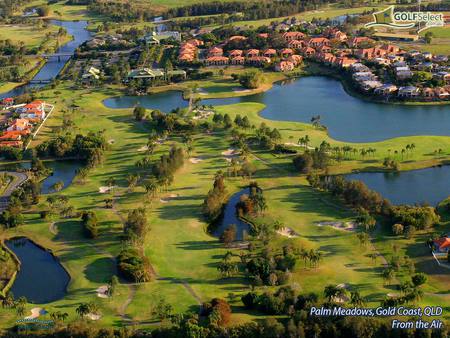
(90, 224)
(249, 10)
(8, 7)
(359, 196)
(89, 148)
(133, 265)
(215, 200)
(165, 168)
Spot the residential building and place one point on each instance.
(441, 245)
(408, 92)
(284, 66)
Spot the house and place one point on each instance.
(370, 85)
(146, 73)
(444, 76)
(390, 49)
(326, 57)
(216, 61)
(440, 58)
(33, 114)
(237, 60)
(403, 73)
(19, 125)
(7, 101)
(91, 74)
(441, 245)
(215, 51)
(324, 49)
(386, 89)
(357, 41)
(295, 59)
(16, 144)
(364, 76)
(252, 53)
(359, 67)
(236, 38)
(258, 60)
(308, 51)
(270, 53)
(186, 57)
(263, 35)
(297, 44)
(289, 36)
(441, 93)
(195, 42)
(286, 52)
(344, 62)
(235, 53)
(284, 66)
(408, 92)
(318, 42)
(338, 35)
(11, 136)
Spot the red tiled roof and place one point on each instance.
(443, 242)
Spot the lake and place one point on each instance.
(347, 118)
(430, 185)
(230, 217)
(42, 278)
(64, 171)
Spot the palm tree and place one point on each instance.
(304, 255)
(330, 292)
(82, 310)
(8, 301)
(356, 299)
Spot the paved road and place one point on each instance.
(19, 178)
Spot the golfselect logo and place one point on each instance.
(406, 20)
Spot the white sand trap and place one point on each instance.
(93, 316)
(392, 295)
(36, 312)
(143, 148)
(102, 291)
(111, 141)
(167, 199)
(287, 232)
(348, 226)
(240, 90)
(340, 299)
(104, 190)
(292, 144)
(230, 154)
(195, 160)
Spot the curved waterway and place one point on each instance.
(41, 278)
(347, 118)
(61, 171)
(54, 65)
(230, 217)
(431, 185)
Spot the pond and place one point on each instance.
(41, 278)
(347, 118)
(64, 171)
(230, 217)
(53, 66)
(430, 185)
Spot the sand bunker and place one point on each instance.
(102, 291)
(104, 190)
(93, 316)
(167, 199)
(349, 226)
(143, 148)
(240, 90)
(195, 160)
(287, 232)
(36, 312)
(111, 141)
(230, 154)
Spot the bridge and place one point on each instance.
(56, 55)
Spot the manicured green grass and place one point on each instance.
(7, 86)
(183, 255)
(30, 35)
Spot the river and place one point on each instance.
(53, 66)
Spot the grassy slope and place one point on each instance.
(178, 246)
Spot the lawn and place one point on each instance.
(7, 86)
(183, 255)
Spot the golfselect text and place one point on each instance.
(419, 16)
(428, 311)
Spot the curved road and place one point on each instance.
(19, 178)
